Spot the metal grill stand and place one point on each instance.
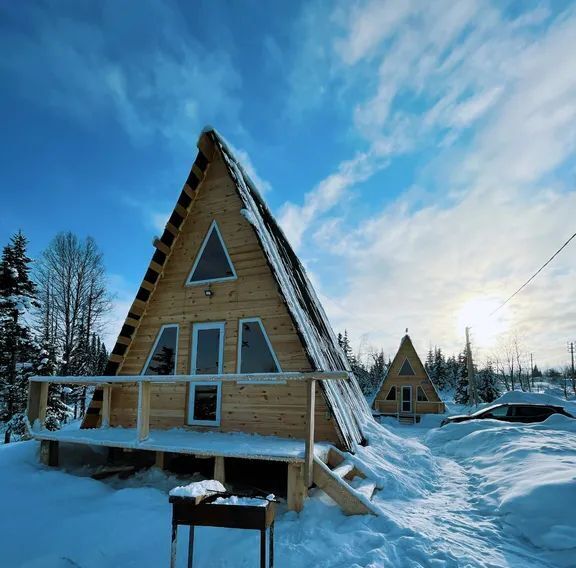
(203, 512)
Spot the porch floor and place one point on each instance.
(181, 441)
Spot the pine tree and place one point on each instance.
(462, 394)
(46, 365)
(17, 348)
(486, 384)
(439, 371)
(429, 363)
(377, 371)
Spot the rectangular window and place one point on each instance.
(162, 358)
(207, 359)
(205, 404)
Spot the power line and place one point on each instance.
(535, 274)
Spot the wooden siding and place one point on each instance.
(420, 378)
(264, 409)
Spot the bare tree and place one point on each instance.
(72, 287)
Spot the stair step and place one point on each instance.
(366, 487)
(343, 469)
(351, 502)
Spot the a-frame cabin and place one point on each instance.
(226, 351)
(407, 391)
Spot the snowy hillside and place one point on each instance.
(480, 494)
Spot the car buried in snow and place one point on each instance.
(511, 412)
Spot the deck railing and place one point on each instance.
(38, 396)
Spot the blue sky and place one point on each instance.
(418, 155)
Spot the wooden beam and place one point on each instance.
(160, 460)
(161, 246)
(206, 146)
(49, 453)
(182, 211)
(309, 449)
(156, 268)
(243, 378)
(106, 403)
(219, 469)
(296, 491)
(197, 172)
(143, 419)
(37, 402)
(123, 340)
(172, 229)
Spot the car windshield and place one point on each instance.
(486, 410)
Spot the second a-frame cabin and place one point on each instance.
(407, 391)
(226, 352)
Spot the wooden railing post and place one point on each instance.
(143, 419)
(309, 447)
(37, 402)
(106, 400)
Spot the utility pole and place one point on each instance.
(571, 351)
(470, 368)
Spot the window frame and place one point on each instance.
(192, 400)
(420, 389)
(156, 341)
(189, 282)
(196, 327)
(409, 365)
(270, 347)
(395, 399)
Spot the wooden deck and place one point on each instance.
(181, 441)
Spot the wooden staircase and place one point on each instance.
(339, 478)
(407, 418)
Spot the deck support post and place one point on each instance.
(49, 452)
(106, 400)
(160, 460)
(296, 487)
(143, 421)
(219, 469)
(309, 446)
(37, 402)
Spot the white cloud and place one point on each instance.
(139, 67)
(500, 206)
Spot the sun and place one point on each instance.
(485, 329)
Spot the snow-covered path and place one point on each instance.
(451, 519)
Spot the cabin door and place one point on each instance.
(406, 398)
(205, 397)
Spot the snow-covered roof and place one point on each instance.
(345, 398)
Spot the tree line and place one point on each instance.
(508, 369)
(52, 313)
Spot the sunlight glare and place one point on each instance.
(485, 330)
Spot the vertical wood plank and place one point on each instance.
(106, 400)
(219, 469)
(296, 492)
(37, 402)
(309, 445)
(160, 460)
(143, 420)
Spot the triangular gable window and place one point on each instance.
(406, 370)
(162, 358)
(212, 263)
(391, 394)
(421, 395)
(255, 353)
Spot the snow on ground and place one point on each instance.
(480, 494)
